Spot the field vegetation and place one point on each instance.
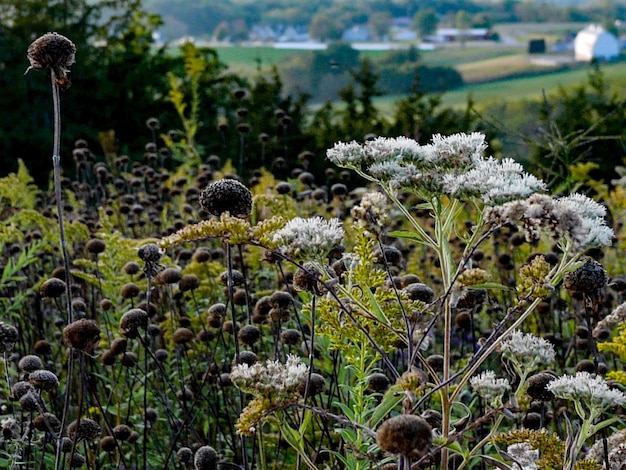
(202, 271)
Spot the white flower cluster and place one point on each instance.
(576, 217)
(524, 456)
(313, 237)
(490, 388)
(373, 211)
(272, 378)
(452, 165)
(616, 446)
(526, 351)
(494, 181)
(591, 394)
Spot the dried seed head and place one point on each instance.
(537, 386)
(169, 276)
(316, 385)
(107, 444)
(306, 278)
(19, 389)
(150, 253)
(52, 288)
(182, 336)
(205, 458)
(132, 320)
(122, 432)
(47, 422)
(82, 334)
(227, 195)
(129, 290)
(55, 51)
(184, 455)
(588, 278)
(42, 347)
(8, 337)
(408, 435)
(118, 345)
(291, 337)
(83, 429)
(30, 363)
(249, 334)
(189, 282)
(31, 401)
(378, 382)
(95, 246)
(44, 379)
(419, 291)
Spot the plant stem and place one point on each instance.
(56, 166)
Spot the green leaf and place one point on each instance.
(377, 311)
(406, 234)
(393, 396)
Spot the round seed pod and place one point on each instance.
(47, 422)
(129, 290)
(419, 291)
(82, 335)
(55, 51)
(183, 336)
(118, 345)
(378, 382)
(205, 459)
(121, 432)
(150, 253)
(83, 429)
(95, 246)
(249, 334)
(306, 279)
(30, 363)
(188, 283)
(31, 401)
(184, 455)
(589, 277)
(131, 268)
(537, 386)
(129, 359)
(42, 347)
(19, 389)
(316, 385)
(290, 337)
(169, 276)
(281, 299)
(107, 444)
(226, 195)
(43, 379)
(132, 320)
(246, 357)
(52, 288)
(408, 435)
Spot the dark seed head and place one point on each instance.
(52, 288)
(82, 334)
(55, 51)
(227, 195)
(84, 429)
(408, 435)
(378, 382)
(205, 458)
(150, 253)
(588, 278)
(132, 320)
(537, 386)
(249, 334)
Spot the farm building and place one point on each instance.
(594, 42)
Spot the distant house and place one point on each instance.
(356, 34)
(594, 42)
(456, 34)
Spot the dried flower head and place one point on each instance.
(82, 334)
(8, 337)
(408, 435)
(132, 320)
(227, 195)
(30, 363)
(44, 379)
(52, 288)
(587, 278)
(205, 458)
(55, 51)
(83, 429)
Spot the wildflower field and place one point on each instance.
(413, 306)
